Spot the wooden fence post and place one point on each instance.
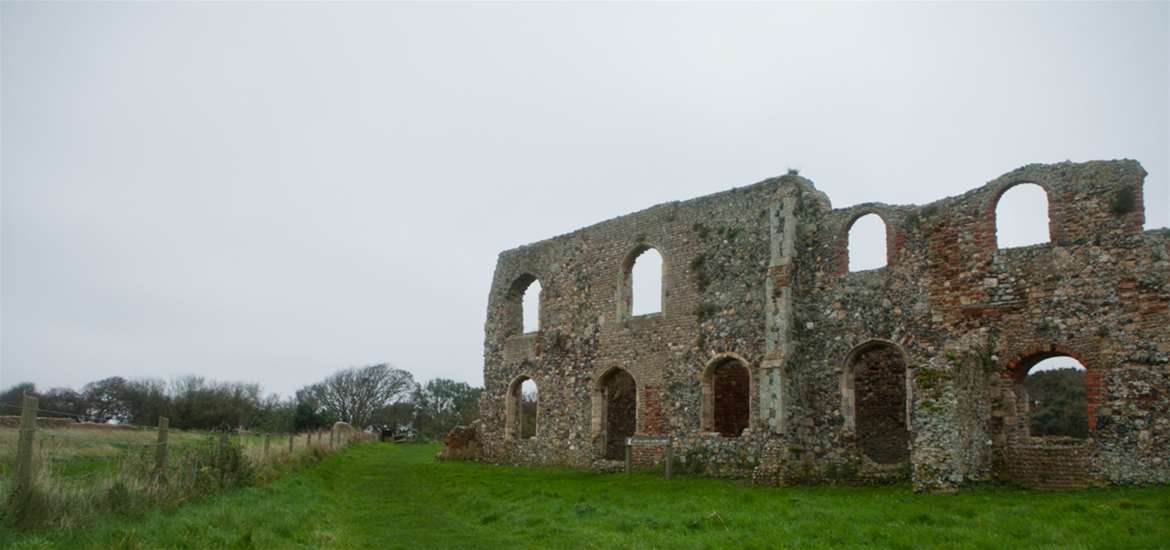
(669, 458)
(160, 452)
(627, 456)
(267, 442)
(22, 483)
(291, 438)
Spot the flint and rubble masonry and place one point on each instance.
(909, 370)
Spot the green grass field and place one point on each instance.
(79, 452)
(386, 496)
(76, 453)
(84, 476)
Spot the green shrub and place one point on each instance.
(1124, 201)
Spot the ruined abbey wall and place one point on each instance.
(906, 371)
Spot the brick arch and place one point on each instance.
(726, 407)
(856, 214)
(513, 412)
(625, 278)
(990, 229)
(1023, 358)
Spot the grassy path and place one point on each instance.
(382, 496)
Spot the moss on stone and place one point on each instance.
(929, 379)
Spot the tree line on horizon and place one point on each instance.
(380, 397)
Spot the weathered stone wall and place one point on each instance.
(758, 275)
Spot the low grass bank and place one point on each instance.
(386, 496)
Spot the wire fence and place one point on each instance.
(63, 414)
(55, 473)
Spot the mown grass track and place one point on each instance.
(386, 496)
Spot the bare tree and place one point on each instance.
(355, 395)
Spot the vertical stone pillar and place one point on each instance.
(778, 308)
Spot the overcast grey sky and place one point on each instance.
(268, 192)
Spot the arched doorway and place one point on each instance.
(615, 411)
(726, 394)
(874, 399)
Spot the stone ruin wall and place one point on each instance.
(757, 276)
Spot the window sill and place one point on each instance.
(642, 320)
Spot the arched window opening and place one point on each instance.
(522, 409)
(1053, 398)
(531, 307)
(1021, 216)
(528, 397)
(875, 388)
(521, 309)
(867, 243)
(726, 398)
(615, 412)
(646, 286)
